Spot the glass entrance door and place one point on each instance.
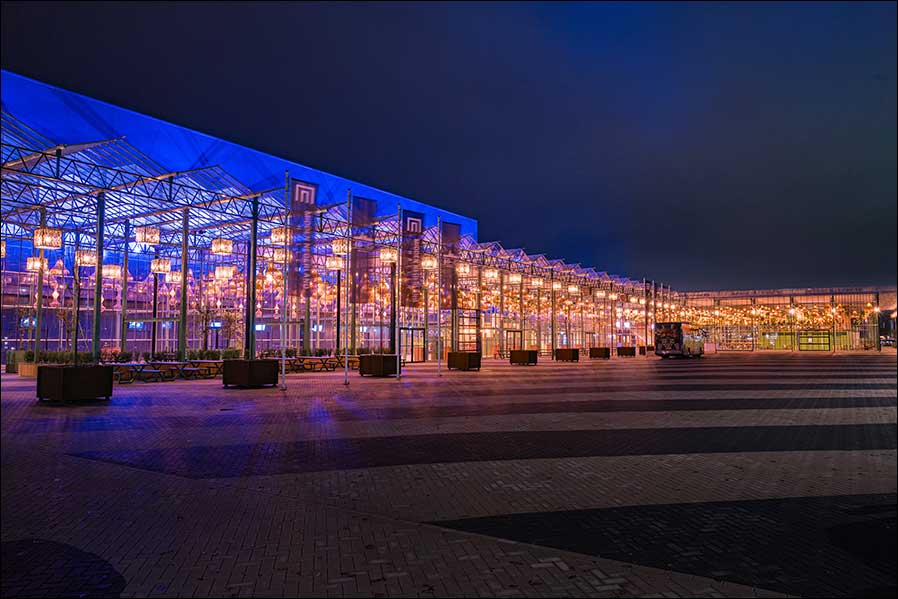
(411, 344)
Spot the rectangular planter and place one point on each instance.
(464, 360)
(523, 357)
(70, 383)
(626, 352)
(641, 350)
(567, 354)
(603, 353)
(13, 359)
(28, 369)
(377, 365)
(249, 373)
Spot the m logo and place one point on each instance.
(413, 224)
(303, 194)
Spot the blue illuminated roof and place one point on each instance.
(63, 117)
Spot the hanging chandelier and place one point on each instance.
(556, 285)
(281, 255)
(280, 235)
(600, 293)
(573, 289)
(333, 263)
(225, 273)
(173, 277)
(515, 278)
(388, 255)
(112, 271)
(85, 258)
(340, 246)
(35, 263)
(429, 262)
(463, 269)
(148, 235)
(160, 266)
(2, 249)
(490, 273)
(222, 247)
(536, 282)
(46, 238)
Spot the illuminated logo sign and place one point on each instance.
(413, 224)
(303, 194)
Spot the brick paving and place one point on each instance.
(735, 475)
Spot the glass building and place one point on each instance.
(125, 234)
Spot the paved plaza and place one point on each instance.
(734, 475)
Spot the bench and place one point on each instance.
(151, 373)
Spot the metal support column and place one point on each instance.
(552, 322)
(39, 295)
(98, 276)
(124, 323)
(501, 313)
(182, 316)
(439, 296)
(249, 340)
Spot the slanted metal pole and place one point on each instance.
(439, 296)
(249, 341)
(98, 275)
(182, 316)
(399, 293)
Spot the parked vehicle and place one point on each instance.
(678, 339)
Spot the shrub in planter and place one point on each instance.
(230, 354)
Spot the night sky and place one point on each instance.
(709, 146)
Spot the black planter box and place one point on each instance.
(650, 348)
(524, 357)
(377, 365)
(600, 352)
(567, 354)
(626, 352)
(68, 383)
(641, 350)
(249, 373)
(464, 360)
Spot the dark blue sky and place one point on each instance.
(705, 145)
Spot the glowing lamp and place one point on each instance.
(642, 301)
(225, 273)
(148, 235)
(515, 278)
(222, 247)
(573, 289)
(281, 255)
(112, 271)
(490, 273)
(600, 293)
(35, 263)
(2, 248)
(556, 285)
(333, 263)
(388, 255)
(280, 235)
(463, 269)
(536, 282)
(85, 258)
(429, 262)
(340, 246)
(173, 277)
(46, 238)
(159, 266)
